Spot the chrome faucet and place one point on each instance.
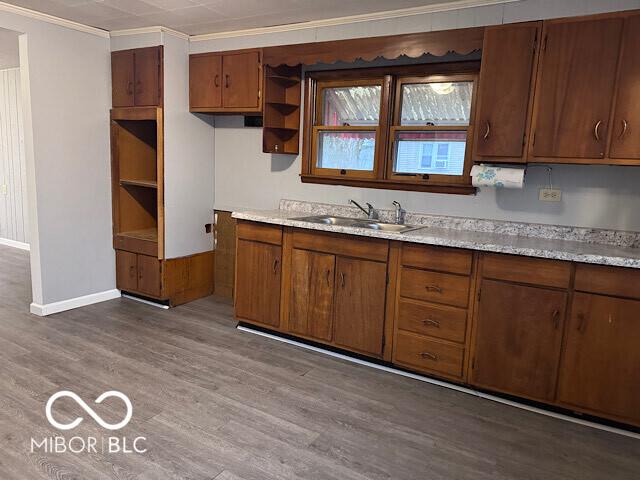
(371, 213)
(400, 213)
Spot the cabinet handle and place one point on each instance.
(342, 279)
(430, 356)
(625, 125)
(226, 81)
(433, 288)
(582, 322)
(556, 319)
(430, 321)
(275, 265)
(487, 132)
(132, 271)
(216, 81)
(596, 130)
(138, 86)
(130, 88)
(328, 278)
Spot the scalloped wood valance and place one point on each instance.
(462, 41)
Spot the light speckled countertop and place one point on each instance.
(604, 247)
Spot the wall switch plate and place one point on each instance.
(550, 195)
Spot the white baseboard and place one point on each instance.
(15, 244)
(56, 307)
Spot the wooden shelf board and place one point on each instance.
(284, 81)
(147, 234)
(283, 107)
(139, 183)
(283, 129)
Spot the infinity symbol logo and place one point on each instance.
(89, 410)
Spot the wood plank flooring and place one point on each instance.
(217, 403)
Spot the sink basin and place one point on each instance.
(358, 223)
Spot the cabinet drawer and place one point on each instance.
(437, 258)
(260, 232)
(345, 245)
(622, 282)
(421, 353)
(534, 271)
(438, 321)
(435, 287)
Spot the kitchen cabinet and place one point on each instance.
(126, 270)
(312, 290)
(136, 77)
(138, 273)
(360, 305)
(509, 58)
(575, 89)
(518, 339)
(625, 130)
(600, 369)
(149, 276)
(226, 82)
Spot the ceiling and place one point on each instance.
(196, 17)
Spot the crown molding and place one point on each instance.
(143, 30)
(367, 17)
(44, 17)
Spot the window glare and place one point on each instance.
(352, 106)
(438, 103)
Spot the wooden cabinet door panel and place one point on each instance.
(360, 305)
(258, 273)
(126, 270)
(625, 139)
(601, 362)
(241, 80)
(205, 81)
(575, 88)
(122, 78)
(312, 285)
(518, 339)
(508, 58)
(149, 276)
(147, 74)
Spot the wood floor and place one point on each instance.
(217, 403)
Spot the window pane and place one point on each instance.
(354, 106)
(346, 150)
(438, 153)
(443, 103)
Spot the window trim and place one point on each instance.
(383, 156)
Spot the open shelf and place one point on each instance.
(139, 183)
(146, 234)
(283, 107)
(283, 89)
(284, 81)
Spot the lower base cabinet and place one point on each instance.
(138, 273)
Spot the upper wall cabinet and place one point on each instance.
(509, 55)
(136, 77)
(575, 90)
(229, 82)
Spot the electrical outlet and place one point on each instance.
(3, 189)
(550, 195)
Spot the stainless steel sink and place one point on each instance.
(358, 223)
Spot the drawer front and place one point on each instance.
(260, 232)
(135, 245)
(427, 355)
(438, 321)
(345, 245)
(434, 287)
(443, 259)
(622, 282)
(534, 271)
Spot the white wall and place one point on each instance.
(66, 118)
(14, 223)
(605, 197)
(9, 53)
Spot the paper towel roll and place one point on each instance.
(497, 177)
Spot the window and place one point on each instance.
(389, 128)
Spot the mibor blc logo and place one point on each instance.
(90, 444)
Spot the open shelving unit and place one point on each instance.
(136, 136)
(282, 92)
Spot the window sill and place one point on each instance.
(391, 185)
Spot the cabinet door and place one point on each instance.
(601, 362)
(126, 271)
(205, 81)
(508, 58)
(258, 282)
(122, 78)
(312, 282)
(360, 302)
(149, 276)
(625, 139)
(575, 88)
(147, 73)
(518, 339)
(241, 80)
